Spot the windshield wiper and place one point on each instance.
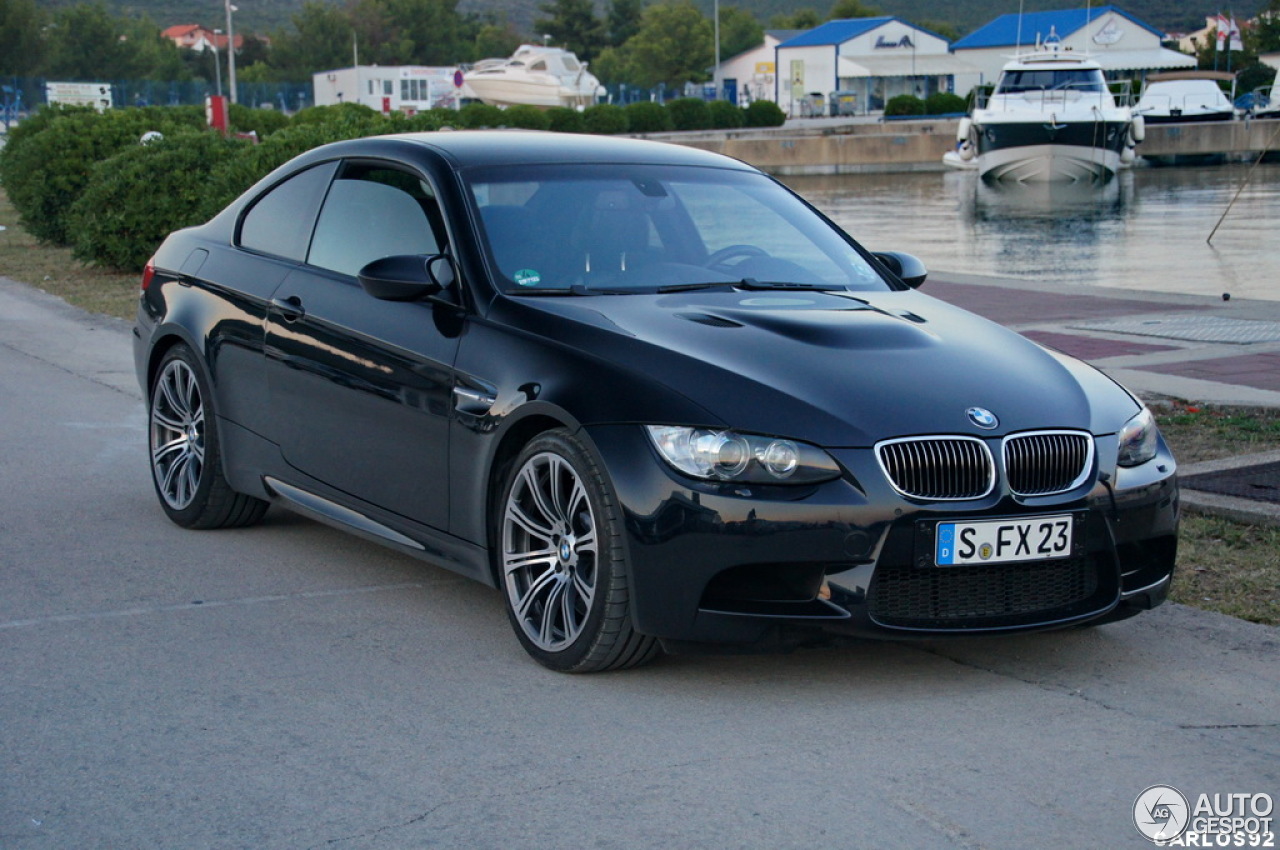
(557, 290)
(721, 285)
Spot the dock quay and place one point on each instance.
(861, 146)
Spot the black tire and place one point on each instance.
(561, 560)
(185, 455)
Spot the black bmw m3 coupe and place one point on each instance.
(648, 393)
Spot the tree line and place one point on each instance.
(633, 42)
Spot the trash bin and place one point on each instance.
(813, 106)
(844, 103)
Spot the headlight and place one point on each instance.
(730, 456)
(1139, 439)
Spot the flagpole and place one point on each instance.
(1217, 36)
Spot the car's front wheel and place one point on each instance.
(562, 563)
(186, 464)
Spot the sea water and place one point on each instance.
(1146, 230)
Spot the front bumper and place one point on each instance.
(748, 564)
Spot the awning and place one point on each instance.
(923, 65)
(1134, 60)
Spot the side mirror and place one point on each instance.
(907, 267)
(407, 277)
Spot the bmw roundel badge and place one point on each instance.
(982, 417)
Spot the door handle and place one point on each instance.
(289, 308)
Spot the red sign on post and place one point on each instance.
(215, 111)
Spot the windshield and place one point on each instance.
(1075, 79)
(632, 228)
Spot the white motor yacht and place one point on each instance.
(1181, 97)
(1051, 117)
(535, 75)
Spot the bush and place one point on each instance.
(689, 113)
(605, 119)
(764, 113)
(904, 104)
(648, 117)
(562, 119)
(135, 198)
(474, 116)
(340, 112)
(945, 103)
(263, 122)
(723, 115)
(427, 122)
(47, 171)
(526, 117)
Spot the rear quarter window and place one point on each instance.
(280, 221)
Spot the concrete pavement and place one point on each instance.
(291, 686)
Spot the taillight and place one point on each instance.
(148, 272)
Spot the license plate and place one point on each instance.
(1004, 540)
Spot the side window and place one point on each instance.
(374, 212)
(280, 221)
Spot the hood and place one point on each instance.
(839, 369)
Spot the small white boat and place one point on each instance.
(534, 75)
(1051, 117)
(1181, 97)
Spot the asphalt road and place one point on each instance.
(290, 686)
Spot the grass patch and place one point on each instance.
(55, 271)
(1229, 567)
(1199, 432)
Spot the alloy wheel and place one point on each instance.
(550, 551)
(177, 434)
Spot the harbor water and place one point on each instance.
(1146, 230)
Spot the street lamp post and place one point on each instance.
(217, 63)
(231, 51)
(715, 69)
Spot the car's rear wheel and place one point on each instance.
(186, 464)
(562, 563)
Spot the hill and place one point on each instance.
(263, 16)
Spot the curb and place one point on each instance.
(1231, 507)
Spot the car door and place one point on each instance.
(360, 386)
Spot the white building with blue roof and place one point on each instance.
(1121, 43)
(862, 63)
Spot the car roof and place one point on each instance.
(466, 148)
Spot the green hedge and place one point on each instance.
(476, 116)
(605, 119)
(138, 196)
(260, 122)
(648, 117)
(526, 117)
(904, 104)
(945, 103)
(689, 113)
(723, 115)
(336, 113)
(764, 113)
(562, 119)
(46, 171)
